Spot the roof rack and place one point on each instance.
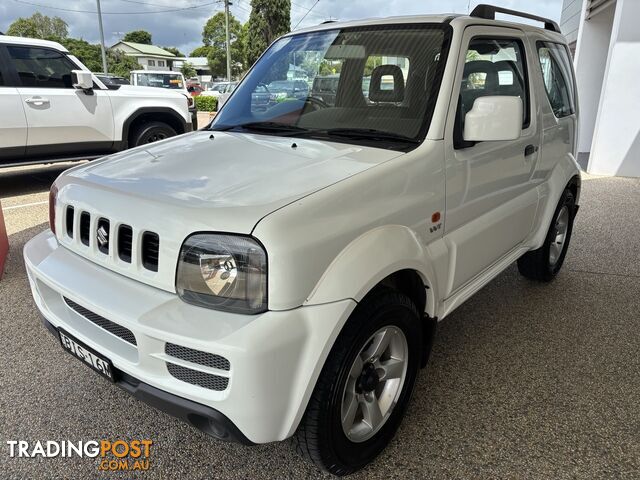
(489, 12)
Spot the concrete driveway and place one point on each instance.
(525, 381)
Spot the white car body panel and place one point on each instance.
(13, 128)
(335, 219)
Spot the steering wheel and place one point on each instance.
(315, 103)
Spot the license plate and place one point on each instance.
(87, 354)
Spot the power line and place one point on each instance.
(305, 15)
(146, 12)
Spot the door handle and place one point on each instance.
(530, 150)
(37, 101)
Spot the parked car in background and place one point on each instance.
(261, 97)
(194, 89)
(112, 82)
(52, 108)
(167, 80)
(288, 89)
(224, 96)
(218, 89)
(283, 272)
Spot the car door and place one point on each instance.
(61, 120)
(491, 197)
(13, 121)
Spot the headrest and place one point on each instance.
(482, 66)
(377, 94)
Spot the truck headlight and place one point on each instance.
(223, 272)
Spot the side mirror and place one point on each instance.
(493, 118)
(83, 80)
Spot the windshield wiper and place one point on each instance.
(370, 133)
(270, 127)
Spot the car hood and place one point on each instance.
(222, 181)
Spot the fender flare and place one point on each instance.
(126, 126)
(370, 258)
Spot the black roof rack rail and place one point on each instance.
(489, 12)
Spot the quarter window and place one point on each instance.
(558, 78)
(41, 67)
(494, 66)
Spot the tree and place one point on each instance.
(39, 26)
(89, 54)
(187, 70)
(214, 39)
(138, 36)
(174, 50)
(268, 20)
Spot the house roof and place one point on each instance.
(145, 49)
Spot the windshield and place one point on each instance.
(373, 85)
(162, 80)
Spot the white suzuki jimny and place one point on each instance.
(281, 272)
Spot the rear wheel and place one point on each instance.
(544, 263)
(365, 385)
(151, 132)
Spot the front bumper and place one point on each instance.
(274, 358)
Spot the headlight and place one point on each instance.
(223, 272)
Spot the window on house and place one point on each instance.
(151, 63)
(161, 63)
(558, 78)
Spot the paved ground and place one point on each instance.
(526, 381)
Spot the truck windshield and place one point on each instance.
(374, 85)
(162, 80)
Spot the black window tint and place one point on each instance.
(41, 67)
(1, 80)
(557, 74)
(494, 67)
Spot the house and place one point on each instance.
(149, 57)
(605, 37)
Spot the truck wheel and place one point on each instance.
(365, 385)
(151, 132)
(544, 263)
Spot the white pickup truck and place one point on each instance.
(53, 109)
(283, 271)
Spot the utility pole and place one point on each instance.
(226, 19)
(104, 53)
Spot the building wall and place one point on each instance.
(144, 62)
(570, 21)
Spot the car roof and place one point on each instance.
(34, 42)
(456, 20)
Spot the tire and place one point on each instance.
(544, 263)
(151, 132)
(321, 437)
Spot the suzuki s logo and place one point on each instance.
(103, 237)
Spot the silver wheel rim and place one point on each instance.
(560, 236)
(374, 384)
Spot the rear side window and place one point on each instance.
(41, 67)
(494, 66)
(557, 75)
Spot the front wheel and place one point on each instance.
(365, 385)
(544, 263)
(151, 132)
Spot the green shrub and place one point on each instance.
(206, 104)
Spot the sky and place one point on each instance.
(178, 23)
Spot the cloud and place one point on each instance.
(183, 29)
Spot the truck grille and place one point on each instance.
(196, 377)
(196, 356)
(118, 330)
(100, 232)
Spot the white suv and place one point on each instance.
(282, 272)
(53, 109)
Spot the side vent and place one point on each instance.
(125, 242)
(150, 251)
(85, 228)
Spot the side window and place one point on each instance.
(494, 67)
(151, 63)
(41, 67)
(558, 78)
(161, 63)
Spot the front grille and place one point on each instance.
(143, 245)
(111, 327)
(150, 251)
(195, 377)
(196, 356)
(125, 243)
(85, 227)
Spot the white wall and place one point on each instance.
(570, 19)
(590, 64)
(616, 144)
